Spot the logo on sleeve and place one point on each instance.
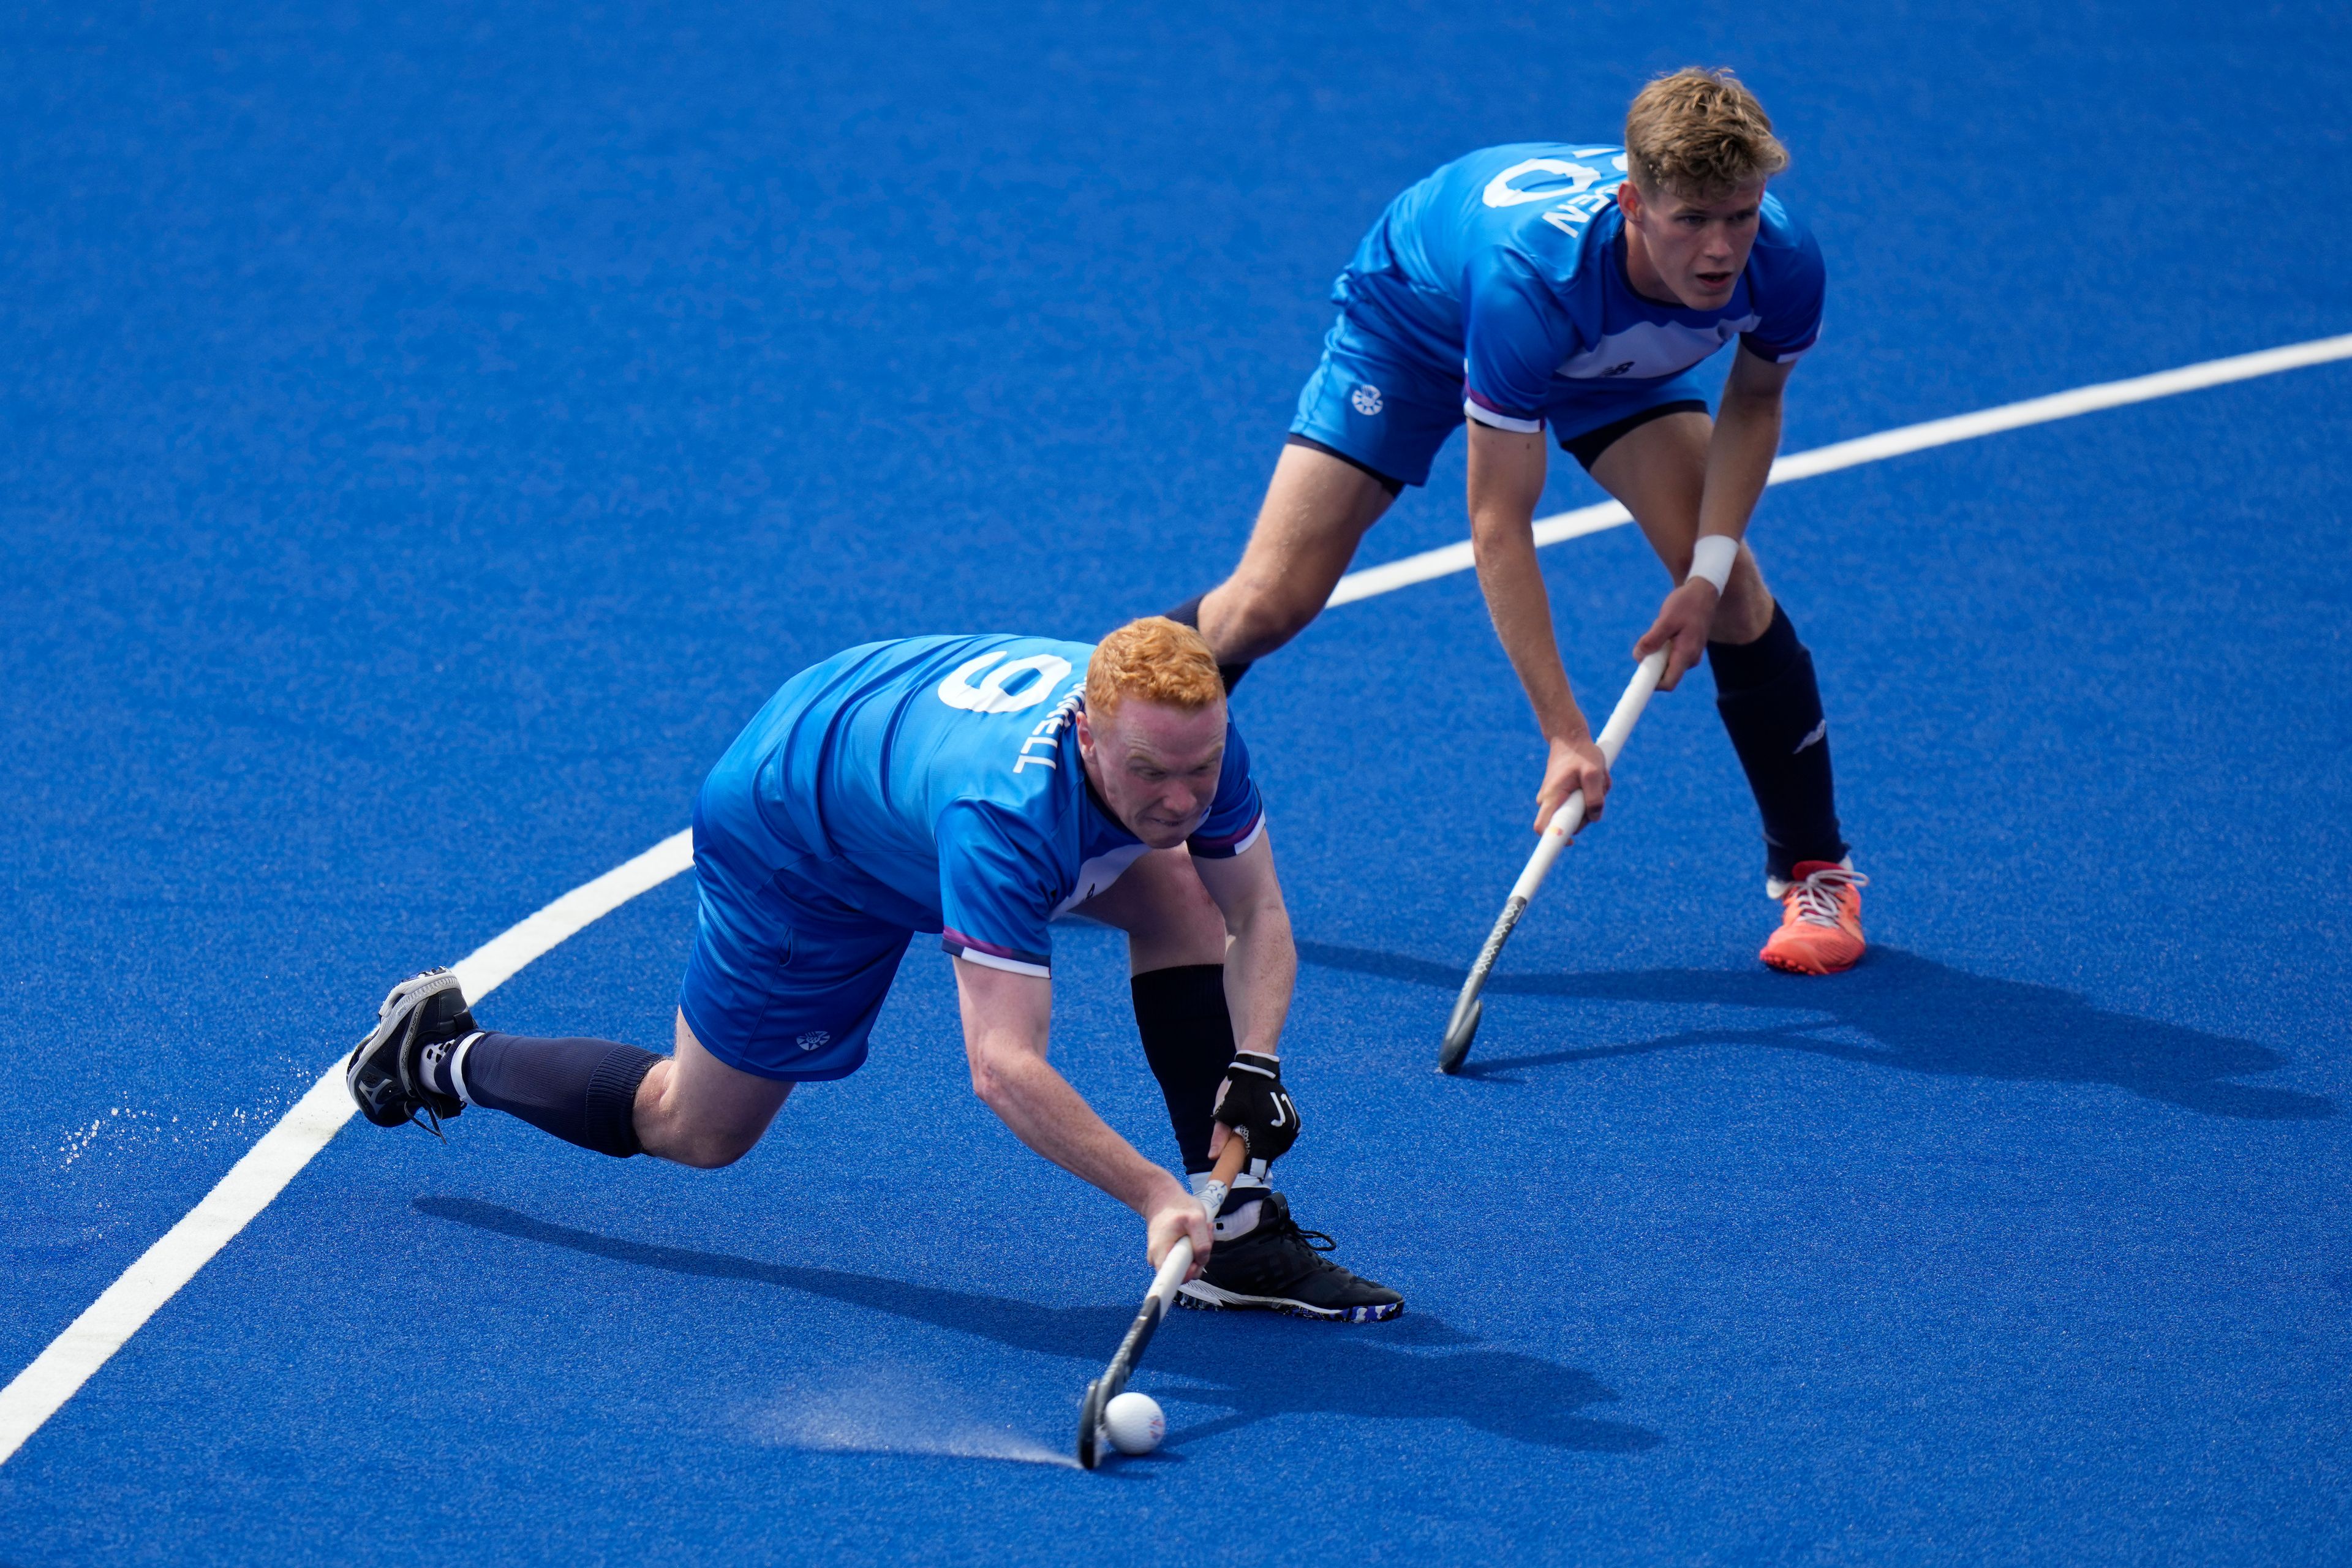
(1007, 688)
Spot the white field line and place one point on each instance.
(1449, 559)
(42, 1388)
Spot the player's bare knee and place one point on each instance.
(1259, 616)
(1186, 910)
(652, 1089)
(671, 1130)
(1186, 926)
(711, 1149)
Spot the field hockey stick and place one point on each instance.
(1156, 1302)
(1468, 1009)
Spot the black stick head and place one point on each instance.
(1090, 1412)
(1458, 1036)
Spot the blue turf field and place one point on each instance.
(431, 431)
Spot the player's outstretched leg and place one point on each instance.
(1262, 1258)
(1770, 703)
(427, 1057)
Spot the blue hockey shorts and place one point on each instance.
(1370, 403)
(784, 981)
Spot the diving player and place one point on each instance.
(977, 786)
(1579, 286)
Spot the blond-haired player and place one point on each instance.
(978, 787)
(1577, 286)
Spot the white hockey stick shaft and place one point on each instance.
(1463, 1023)
(1570, 815)
(1172, 1269)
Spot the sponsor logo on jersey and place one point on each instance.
(1367, 399)
(1646, 347)
(1099, 873)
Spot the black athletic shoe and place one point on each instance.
(383, 1074)
(1278, 1268)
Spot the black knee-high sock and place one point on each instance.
(1771, 705)
(584, 1091)
(1188, 1038)
(1189, 614)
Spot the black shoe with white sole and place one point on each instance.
(384, 1073)
(1275, 1267)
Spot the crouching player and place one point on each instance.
(1579, 286)
(977, 786)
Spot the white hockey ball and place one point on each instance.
(1133, 1423)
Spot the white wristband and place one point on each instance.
(1712, 559)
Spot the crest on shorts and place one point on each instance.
(1367, 398)
(814, 1039)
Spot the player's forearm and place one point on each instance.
(1261, 971)
(1739, 459)
(1504, 546)
(1006, 1020)
(1505, 482)
(1261, 959)
(1047, 1114)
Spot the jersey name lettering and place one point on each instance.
(1048, 733)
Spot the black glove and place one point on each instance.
(1253, 1102)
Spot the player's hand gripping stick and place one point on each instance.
(1468, 1009)
(1156, 1302)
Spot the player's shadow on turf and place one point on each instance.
(1257, 1369)
(1925, 1016)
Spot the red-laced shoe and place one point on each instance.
(1821, 920)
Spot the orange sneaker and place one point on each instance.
(1821, 920)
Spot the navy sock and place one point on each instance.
(1189, 614)
(1188, 1038)
(1771, 706)
(584, 1091)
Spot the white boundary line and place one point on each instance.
(42, 1389)
(60, 1371)
(1452, 558)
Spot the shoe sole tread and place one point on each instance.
(1231, 1301)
